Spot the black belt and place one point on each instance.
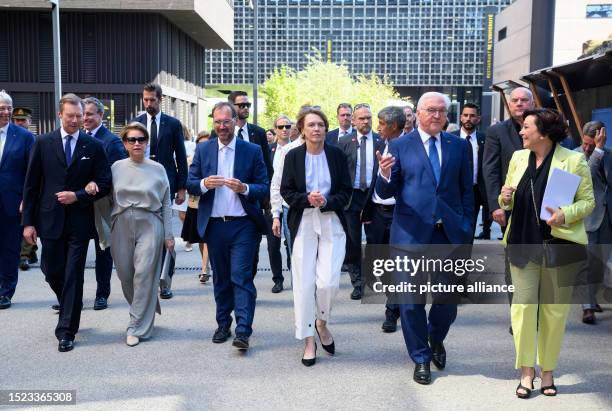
(385, 207)
(227, 218)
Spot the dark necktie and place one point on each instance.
(363, 157)
(240, 134)
(89, 133)
(434, 160)
(68, 150)
(153, 147)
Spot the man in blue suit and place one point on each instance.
(428, 172)
(15, 145)
(344, 115)
(167, 147)
(92, 122)
(229, 175)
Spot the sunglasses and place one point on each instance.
(134, 140)
(243, 105)
(285, 126)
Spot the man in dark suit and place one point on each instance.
(409, 125)
(256, 135)
(470, 118)
(428, 172)
(57, 208)
(377, 213)
(598, 224)
(344, 115)
(92, 123)
(230, 177)
(359, 148)
(22, 117)
(15, 145)
(167, 147)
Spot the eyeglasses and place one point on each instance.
(243, 105)
(284, 126)
(432, 111)
(225, 123)
(134, 140)
(361, 105)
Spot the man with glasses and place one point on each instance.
(344, 114)
(167, 147)
(359, 148)
(15, 145)
(428, 172)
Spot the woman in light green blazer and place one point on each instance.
(540, 304)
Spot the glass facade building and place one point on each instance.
(419, 44)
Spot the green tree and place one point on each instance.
(325, 84)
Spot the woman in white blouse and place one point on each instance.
(316, 185)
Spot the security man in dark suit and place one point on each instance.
(92, 122)
(22, 117)
(470, 118)
(167, 147)
(377, 214)
(360, 150)
(15, 146)
(344, 114)
(57, 208)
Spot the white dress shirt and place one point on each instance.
(342, 133)
(369, 159)
(276, 200)
(3, 134)
(157, 123)
(94, 131)
(375, 198)
(317, 174)
(474, 142)
(73, 142)
(226, 202)
(245, 132)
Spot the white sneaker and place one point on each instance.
(132, 340)
(188, 247)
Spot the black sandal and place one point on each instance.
(549, 387)
(527, 393)
(204, 277)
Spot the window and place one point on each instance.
(501, 34)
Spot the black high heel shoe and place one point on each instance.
(310, 361)
(549, 387)
(527, 393)
(329, 348)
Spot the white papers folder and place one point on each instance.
(560, 191)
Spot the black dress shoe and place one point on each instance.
(5, 302)
(483, 236)
(598, 308)
(55, 307)
(100, 304)
(438, 354)
(422, 373)
(241, 342)
(390, 325)
(34, 259)
(221, 335)
(65, 345)
(309, 362)
(24, 264)
(588, 316)
(356, 294)
(165, 294)
(278, 287)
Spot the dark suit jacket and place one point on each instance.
(293, 185)
(366, 214)
(13, 167)
(248, 168)
(349, 146)
(332, 136)
(170, 150)
(113, 146)
(501, 142)
(600, 165)
(257, 135)
(418, 201)
(480, 139)
(48, 174)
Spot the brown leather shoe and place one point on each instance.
(588, 316)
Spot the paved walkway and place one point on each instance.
(180, 368)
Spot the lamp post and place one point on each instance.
(253, 5)
(57, 57)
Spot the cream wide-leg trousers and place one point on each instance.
(316, 261)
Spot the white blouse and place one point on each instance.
(317, 174)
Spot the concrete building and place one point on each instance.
(420, 44)
(109, 50)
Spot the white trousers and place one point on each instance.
(316, 261)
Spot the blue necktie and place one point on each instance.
(434, 159)
(67, 150)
